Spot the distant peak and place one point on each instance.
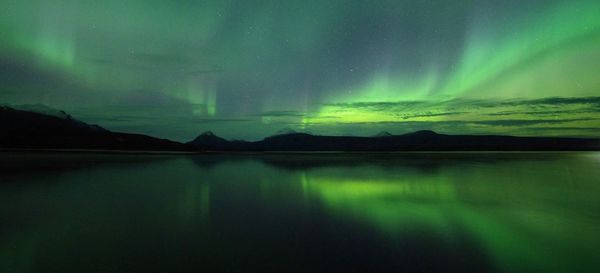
(41, 109)
(207, 138)
(383, 134)
(423, 133)
(207, 133)
(285, 131)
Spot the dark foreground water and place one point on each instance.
(445, 212)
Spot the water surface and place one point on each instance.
(403, 212)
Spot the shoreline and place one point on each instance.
(150, 152)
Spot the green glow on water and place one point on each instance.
(508, 212)
(518, 224)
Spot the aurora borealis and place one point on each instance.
(246, 69)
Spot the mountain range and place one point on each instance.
(20, 129)
(23, 129)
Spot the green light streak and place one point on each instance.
(528, 58)
(237, 60)
(488, 55)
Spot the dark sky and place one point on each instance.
(246, 69)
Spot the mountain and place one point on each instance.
(21, 129)
(41, 109)
(383, 134)
(422, 133)
(208, 141)
(32, 130)
(285, 131)
(417, 141)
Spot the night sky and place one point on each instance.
(246, 69)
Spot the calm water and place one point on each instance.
(472, 212)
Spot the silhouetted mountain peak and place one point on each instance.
(208, 134)
(285, 131)
(207, 138)
(41, 109)
(423, 133)
(31, 129)
(288, 134)
(24, 129)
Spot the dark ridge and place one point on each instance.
(208, 140)
(29, 130)
(424, 140)
(207, 134)
(285, 131)
(422, 133)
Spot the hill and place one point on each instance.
(21, 129)
(31, 130)
(416, 141)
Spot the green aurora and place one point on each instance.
(245, 69)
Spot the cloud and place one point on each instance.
(475, 109)
(378, 106)
(281, 114)
(527, 122)
(562, 101)
(591, 129)
(472, 103)
(429, 114)
(216, 120)
(561, 115)
(543, 102)
(547, 113)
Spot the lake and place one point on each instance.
(331, 212)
